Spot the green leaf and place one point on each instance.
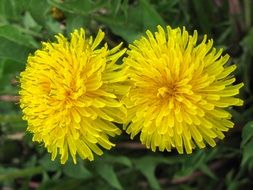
(246, 60)
(247, 133)
(48, 164)
(79, 6)
(147, 165)
(62, 184)
(106, 171)
(12, 118)
(195, 161)
(7, 170)
(115, 6)
(139, 18)
(192, 162)
(11, 9)
(247, 41)
(54, 26)
(1, 68)
(13, 51)
(119, 27)
(13, 34)
(151, 18)
(76, 21)
(123, 160)
(225, 34)
(205, 169)
(29, 21)
(247, 143)
(13, 173)
(147, 168)
(203, 11)
(39, 10)
(10, 69)
(234, 181)
(77, 171)
(247, 154)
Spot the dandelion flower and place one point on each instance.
(181, 91)
(69, 95)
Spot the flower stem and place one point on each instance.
(20, 173)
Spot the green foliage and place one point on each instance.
(106, 171)
(132, 21)
(147, 165)
(246, 145)
(26, 165)
(77, 171)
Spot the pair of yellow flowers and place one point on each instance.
(170, 89)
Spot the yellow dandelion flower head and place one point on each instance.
(180, 91)
(70, 93)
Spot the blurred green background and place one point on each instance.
(26, 165)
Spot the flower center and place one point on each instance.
(170, 90)
(162, 91)
(74, 94)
